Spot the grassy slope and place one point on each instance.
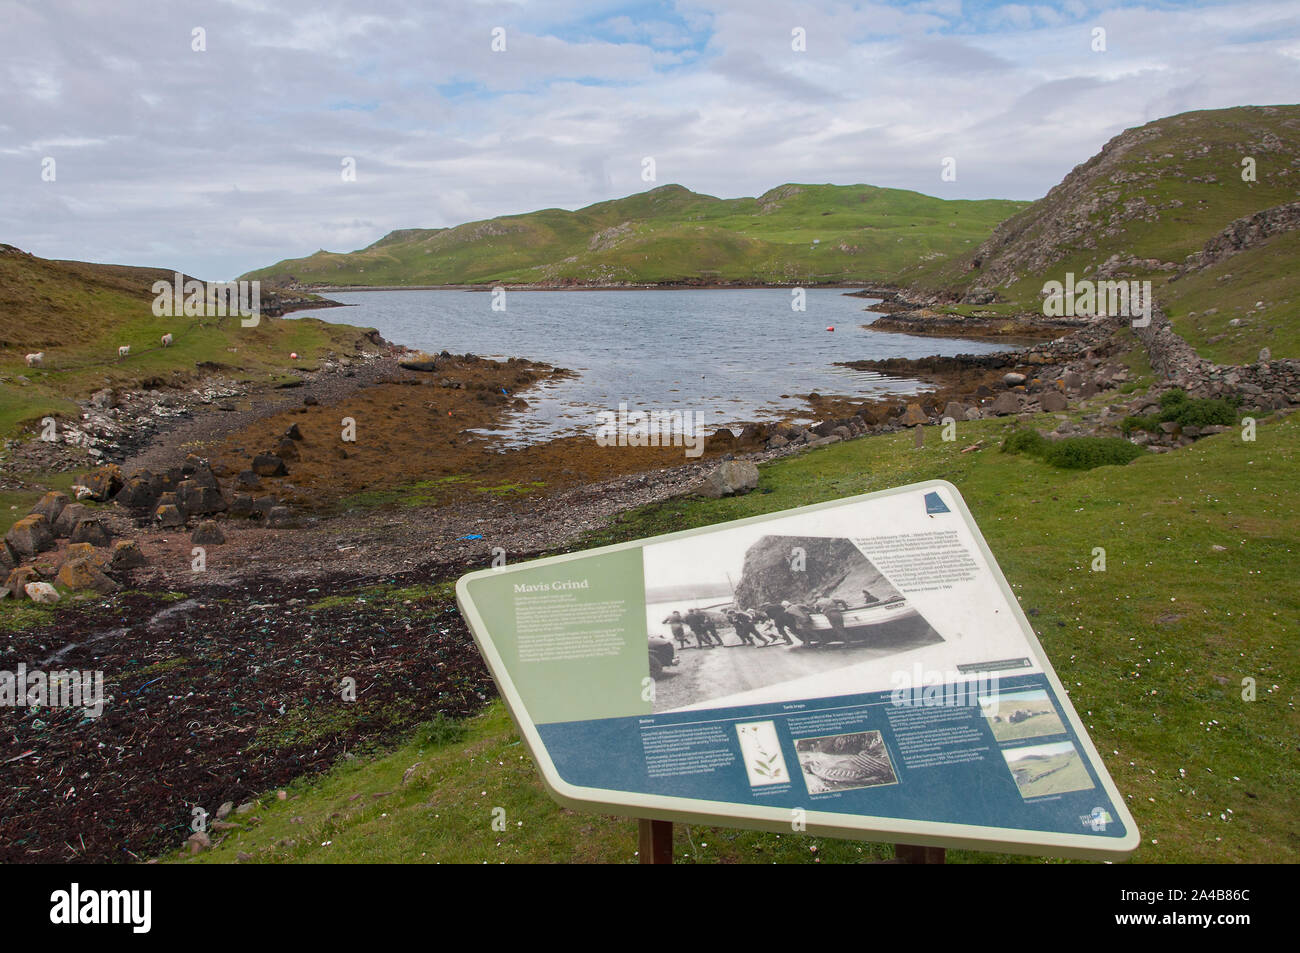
(79, 314)
(1158, 167)
(1153, 651)
(674, 235)
(1232, 289)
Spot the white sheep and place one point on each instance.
(35, 360)
(123, 351)
(167, 340)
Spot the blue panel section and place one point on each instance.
(937, 758)
(933, 504)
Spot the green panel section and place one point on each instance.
(607, 591)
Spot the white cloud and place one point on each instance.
(226, 160)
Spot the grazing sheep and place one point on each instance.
(123, 351)
(35, 360)
(167, 340)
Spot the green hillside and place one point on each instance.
(1259, 288)
(806, 234)
(1153, 196)
(78, 314)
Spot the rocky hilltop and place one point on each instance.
(1151, 197)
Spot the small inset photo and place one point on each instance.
(844, 762)
(1040, 770)
(760, 747)
(1021, 715)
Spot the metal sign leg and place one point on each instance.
(656, 841)
(911, 854)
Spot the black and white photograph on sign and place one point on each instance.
(746, 609)
(1016, 715)
(845, 762)
(1041, 770)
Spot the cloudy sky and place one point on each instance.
(212, 136)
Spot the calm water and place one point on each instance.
(735, 355)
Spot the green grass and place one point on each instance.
(78, 314)
(795, 234)
(512, 489)
(17, 616)
(430, 493)
(459, 775)
(15, 504)
(1073, 453)
(1152, 651)
(390, 593)
(1259, 288)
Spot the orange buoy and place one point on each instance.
(831, 328)
(293, 355)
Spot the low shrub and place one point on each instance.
(1072, 453)
(1084, 453)
(1186, 411)
(1202, 413)
(1172, 399)
(1024, 441)
(1149, 422)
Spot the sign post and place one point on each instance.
(655, 840)
(856, 669)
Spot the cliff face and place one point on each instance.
(1245, 234)
(828, 567)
